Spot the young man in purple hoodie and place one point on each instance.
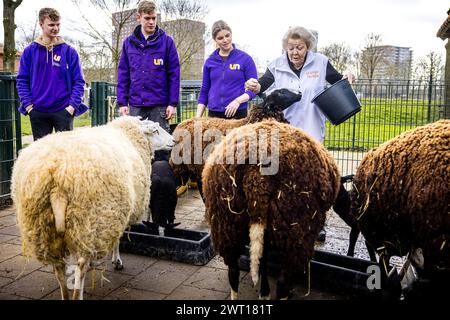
(149, 86)
(50, 81)
(149, 70)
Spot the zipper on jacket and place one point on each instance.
(223, 80)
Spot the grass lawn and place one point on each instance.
(379, 120)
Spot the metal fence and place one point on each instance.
(388, 109)
(104, 108)
(10, 133)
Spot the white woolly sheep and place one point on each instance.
(76, 192)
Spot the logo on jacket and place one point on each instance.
(158, 62)
(57, 58)
(235, 66)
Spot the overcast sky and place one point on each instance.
(258, 25)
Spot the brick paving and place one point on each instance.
(146, 278)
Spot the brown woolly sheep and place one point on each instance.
(75, 192)
(195, 138)
(401, 198)
(284, 210)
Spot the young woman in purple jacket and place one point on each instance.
(224, 75)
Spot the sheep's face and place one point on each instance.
(281, 99)
(160, 138)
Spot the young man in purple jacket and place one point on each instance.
(149, 86)
(149, 71)
(50, 81)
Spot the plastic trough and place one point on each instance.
(329, 272)
(193, 247)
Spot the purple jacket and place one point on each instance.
(149, 71)
(224, 81)
(50, 80)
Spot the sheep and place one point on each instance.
(284, 210)
(76, 192)
(193, 137)
(401, 198)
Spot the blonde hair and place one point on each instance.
(219, 26)
(299, 33)
(147, 7)
(50, 13)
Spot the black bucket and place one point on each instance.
(338, 102)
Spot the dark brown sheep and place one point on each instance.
(401, 197)
(191, 132)
(285, 210)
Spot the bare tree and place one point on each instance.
(339, 55)
(96, 62)
(117, 12)
(371, 56)
(9, 27)
(183, 22)
(27, 33)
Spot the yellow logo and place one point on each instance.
(158, 62)
(235, 66)
(56, 58)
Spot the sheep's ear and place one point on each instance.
(147, 126)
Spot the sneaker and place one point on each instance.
(322, 235)
(182, 190)
(192, 185)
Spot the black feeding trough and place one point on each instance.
(193, 247)
(329, 272)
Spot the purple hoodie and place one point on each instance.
(149, 71)
(224, 81)
(50, 80)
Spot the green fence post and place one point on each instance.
(93, 103)
(179, 108)
(102, 109)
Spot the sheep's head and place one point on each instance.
(160, 138)
(281, 99)
(273, 105)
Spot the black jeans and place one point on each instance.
(240, 114)
(43, 123)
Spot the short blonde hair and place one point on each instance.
(219, 26)
(50, 13)
(146, 7)
(299, 33)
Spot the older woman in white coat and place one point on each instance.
(300, 69)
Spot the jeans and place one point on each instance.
(42, 123)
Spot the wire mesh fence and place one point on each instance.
(388, 108)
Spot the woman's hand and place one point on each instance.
(231, 109)
(253, 85)
(350, 77)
